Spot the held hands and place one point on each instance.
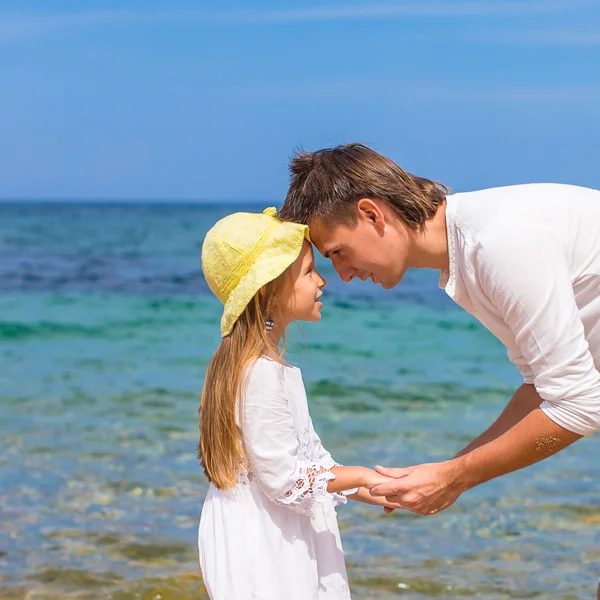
(376, 479)
(424, 489)
(371, 480)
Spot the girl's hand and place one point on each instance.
(374, 479)
(364, 479)
(364, 495)
(371, 478)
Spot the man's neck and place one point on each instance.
(431, 244)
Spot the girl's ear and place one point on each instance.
(262, 292)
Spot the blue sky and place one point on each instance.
(194, 100)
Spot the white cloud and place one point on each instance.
(22, 26)
(425, 8)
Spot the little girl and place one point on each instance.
(268, 529)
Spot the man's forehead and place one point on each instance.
(325, 237)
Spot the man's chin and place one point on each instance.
(391, 283)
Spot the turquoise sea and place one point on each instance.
(106, 328)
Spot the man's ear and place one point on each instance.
(371, 211)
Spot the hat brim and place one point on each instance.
(281, 251)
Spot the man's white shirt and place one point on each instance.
(525, 261)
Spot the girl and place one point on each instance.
(268, 529)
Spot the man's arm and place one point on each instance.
(430, 488)
(524, 400)
(532, 439)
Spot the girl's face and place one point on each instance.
(306, 285)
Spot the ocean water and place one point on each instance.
(106, 328)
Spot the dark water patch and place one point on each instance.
(155, 394)
(100, 455)
(341, 350)
(75, 578)
(344, 305)
(45, 329)
(473, 371)
(18, 593)
(159, 552)
(183, 586)
(169, 428)
(456, 325)
(65, 534)
(410, 586)
(124, 486)
(138, 489)
(99, 365)
(329, 389)
(588, 514)
(358, 407)
(404, 371)
(15, 331)
(177, 305)
(157, 403)
(45, 450)
(377, 395)
(107, 539)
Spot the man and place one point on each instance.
(524, 260)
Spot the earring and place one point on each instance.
(269, 323)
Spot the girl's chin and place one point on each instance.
(311, 318)
(316, 315)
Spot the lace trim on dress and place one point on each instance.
(310, 489)
(244, 476)
(311, 477)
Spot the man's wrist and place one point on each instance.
(460, 473)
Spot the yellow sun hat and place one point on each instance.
(244, 251)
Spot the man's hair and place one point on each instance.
(327, 184)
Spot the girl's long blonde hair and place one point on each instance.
(220, 449)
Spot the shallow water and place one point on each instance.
(106, 328)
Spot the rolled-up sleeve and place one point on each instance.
(523, 270)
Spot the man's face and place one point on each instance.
(374, 249)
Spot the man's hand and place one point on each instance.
(425, 489)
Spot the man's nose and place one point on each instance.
(346, 274)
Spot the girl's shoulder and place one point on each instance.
(267, 364)
(266, 368)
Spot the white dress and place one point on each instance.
(275, 535)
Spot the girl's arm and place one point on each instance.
(284, 474)
(347, 478)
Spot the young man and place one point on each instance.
(524, 260)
